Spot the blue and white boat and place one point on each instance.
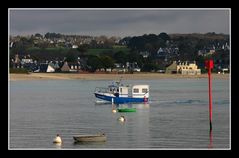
(119, 93)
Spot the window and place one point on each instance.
(136, 90)
(144, 90)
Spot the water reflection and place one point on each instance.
(133, 105)
(127, 105)
(89, 143)
(210, 139)
(114, 106)
(58, 145)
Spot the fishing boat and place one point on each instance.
(127, 110)
(90, 138)
(119, 93)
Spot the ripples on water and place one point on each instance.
(176, 116)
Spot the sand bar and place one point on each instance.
(92, 76)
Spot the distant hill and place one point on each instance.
(209, 36)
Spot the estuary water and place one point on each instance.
(176, 116)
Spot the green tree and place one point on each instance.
(82, 49)
(71, 56)
(150, 67)
(94, 63)
(164, 36)
(107, 62)
(38, 35)
(135, 57)
(120, 57)
(52, 35)
(187, 49)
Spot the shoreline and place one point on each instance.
(93, 76)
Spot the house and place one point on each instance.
(119, 67)
(17, 60)
(145, 54)
(133, 67)
(161, 54)
(50, 68)
(32, 67)
(74, 46)
(160, 50)
(27, 60)
(55, 65)
(186, 68)
(171, 69)
(65, 67)
(74, 67)
(44, 67)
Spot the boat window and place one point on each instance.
(136, 90)
(144, 90)
(120, 90)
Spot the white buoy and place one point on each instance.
(57, 139)
(122, 119)
(114, 111)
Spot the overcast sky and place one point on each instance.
(122, 22)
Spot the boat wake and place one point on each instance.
(188, 101)
(102, 102)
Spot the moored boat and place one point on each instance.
(127, 110)
(119, 93)
(90, 138)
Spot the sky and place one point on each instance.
(118, 22)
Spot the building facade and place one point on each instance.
(186, 68)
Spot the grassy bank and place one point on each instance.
(18, 71)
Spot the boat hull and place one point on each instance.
(90, 138)
(120, 100)
(127, 110)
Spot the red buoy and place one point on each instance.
(145, 99)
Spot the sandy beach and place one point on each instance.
(92, 76)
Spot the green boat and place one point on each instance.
(127, 110)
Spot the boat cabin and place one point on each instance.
(123, 93)
(137, 91)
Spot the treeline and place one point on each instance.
(188, 47)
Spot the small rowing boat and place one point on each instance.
(127, 110)
(90, 138)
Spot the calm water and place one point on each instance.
(176, 116)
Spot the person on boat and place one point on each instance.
(57, 139)
(116, 93)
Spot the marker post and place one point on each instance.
(209, 66)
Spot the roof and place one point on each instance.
(65, 67)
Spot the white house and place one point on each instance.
(74, 46)
(188, 69)
(50, 68)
